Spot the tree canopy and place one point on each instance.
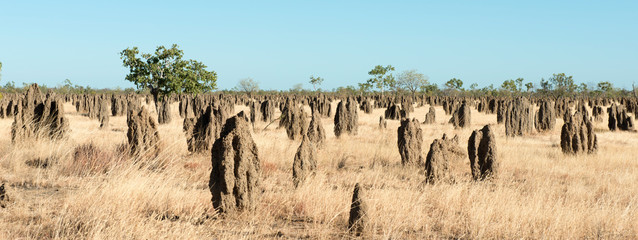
(382, 77)
(247, 85)
(315, 81)
(165, 72)
(454, 84)
(412, 81)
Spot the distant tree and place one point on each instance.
(473, 86)
(546, 86)
(315, 81)
(529, 86)
(454, 83)
(562, 84)
(412, 81)
(513, 85)
(605, 86)
(509, 85)
(364, 87)
(247, 85)
(10, 87)
(297, 87)
(165, 72)
(382, 77)
(519, 84)
(0, 70)
(430, 89)
(67, 87)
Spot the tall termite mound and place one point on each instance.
(618, 118)
(143, 137)
(430, 117)
(545, 116)
(305, 162)
(39, 117)
(346, 118)
(577, 135)
(442, 151)
(234, 178)
(358, 212)
(316, 134)
(461, 118)
(293, 119)
(481, 149)
(519, 118)
(409, 141)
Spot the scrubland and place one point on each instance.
(85, 186)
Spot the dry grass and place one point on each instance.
(100, 193)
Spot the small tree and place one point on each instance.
(0, 70)
(412, 81)
(247, 85)
(454, 84)
(297, 88)
(563, 84)
(529, 86)
(165, 72)
(509, 85)
(430, 89)
(315, 81)
(382, 77)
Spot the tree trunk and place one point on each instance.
(155, 93)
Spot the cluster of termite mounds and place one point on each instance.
(211, 128)
(37, 116)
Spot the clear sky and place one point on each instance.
(281, 43)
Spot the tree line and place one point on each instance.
(165, 72)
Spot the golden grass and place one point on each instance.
(539, 193)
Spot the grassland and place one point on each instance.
(539, 193)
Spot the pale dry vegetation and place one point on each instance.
(89, 188)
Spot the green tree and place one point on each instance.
(382, 77)
(513, 85)
(430, 89)
(0, 70)
(563, 84)
(454, 83)
(546, 86)
(412, 81)
(247, 85)
(165, 72)
(364, 87)
(509, 85)
(605, 86)
(67, 87)
(529, 86)
(315, 81)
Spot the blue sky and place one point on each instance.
(282, 43)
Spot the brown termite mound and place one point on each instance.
(481, 149)
(409, 141)
(234, 178)
(39, 117)
(442, 151)
(143, 137)
(305, 162)
(358, 212)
